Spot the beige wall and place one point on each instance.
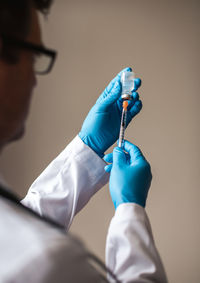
(95, 40)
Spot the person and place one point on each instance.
(33, 240)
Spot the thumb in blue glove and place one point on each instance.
(130, 177)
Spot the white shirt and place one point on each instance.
(63, 189)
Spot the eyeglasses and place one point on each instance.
(44, 58)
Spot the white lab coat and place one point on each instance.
(61, 191)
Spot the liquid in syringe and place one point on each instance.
(123, 124)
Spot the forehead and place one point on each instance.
(35, 29)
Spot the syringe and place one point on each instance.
(123, 123)
(127, 81)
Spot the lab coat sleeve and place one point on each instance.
(131, 253)
(67, 184)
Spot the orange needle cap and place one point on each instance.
(125, 105)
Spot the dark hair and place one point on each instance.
(15, 20)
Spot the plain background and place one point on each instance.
(95, 40)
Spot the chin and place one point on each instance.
(15, 137)
(19, 134)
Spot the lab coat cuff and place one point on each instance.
(130, 211)
(90, 160)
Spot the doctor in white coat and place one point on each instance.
(35, 243)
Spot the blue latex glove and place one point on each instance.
(130, 177)
(101, 127)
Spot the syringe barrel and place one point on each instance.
(122, 128)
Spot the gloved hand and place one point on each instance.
(101, 127)
(130, 177)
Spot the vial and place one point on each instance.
(127, 81)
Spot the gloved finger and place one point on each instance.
(112, 97)
(111, 85)
(108, 157)
(119, 156)
(132, 102)
(135, 96)
(108, 168)
(134, 151)
(137, 83)
(135, 109)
